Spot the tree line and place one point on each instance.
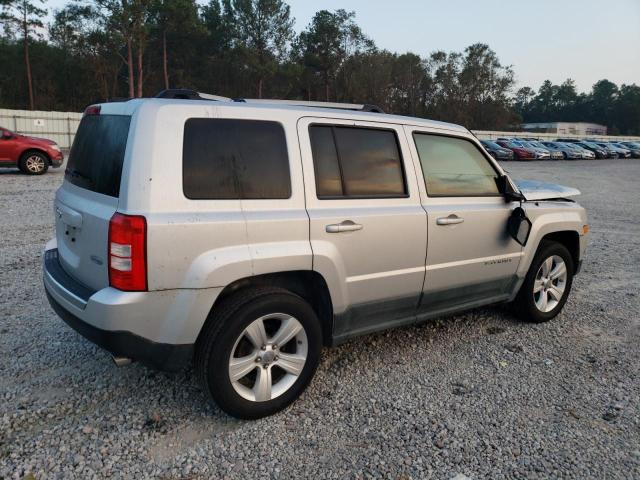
(607, 104)
(95, 50)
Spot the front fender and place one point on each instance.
(547, 218)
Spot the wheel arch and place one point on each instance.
(308, 284)
(571, 241)
(34, 149)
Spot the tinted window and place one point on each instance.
(97, 153)
(231, 159)
(325, 161)
(356, 162)
(454, 167)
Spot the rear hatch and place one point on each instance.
(89, 196)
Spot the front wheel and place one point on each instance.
(547, 284)
(33, 163)
(259, 351)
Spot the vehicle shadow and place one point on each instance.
(11, 171)
(179, 396)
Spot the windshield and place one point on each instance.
(491, 144)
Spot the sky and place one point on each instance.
(586, 40)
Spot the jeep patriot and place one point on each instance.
(243, 236)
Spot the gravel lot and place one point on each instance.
(477, 395)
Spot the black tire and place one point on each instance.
(25, 166)
(524, 303)
(225, 326)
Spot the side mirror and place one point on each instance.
(519, 226)
(505, 187)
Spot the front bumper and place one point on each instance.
(82, 308)
(57, 158)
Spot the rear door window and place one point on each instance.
(234, 159)
(97, 154)
(356, 162)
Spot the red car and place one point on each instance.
(31, 155)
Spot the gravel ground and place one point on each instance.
(477, 395)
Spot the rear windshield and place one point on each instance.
(97, 154)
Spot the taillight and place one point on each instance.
(92, 110)
(128, 252)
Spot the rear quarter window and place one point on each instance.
(97, 154)
(234, 159)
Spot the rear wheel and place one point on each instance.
(259, 351)
(547, 284)
(33, 163)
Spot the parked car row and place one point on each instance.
(562, 148)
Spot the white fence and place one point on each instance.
(61, 127)
(57, 126)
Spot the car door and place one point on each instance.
(7, 145)
(368, 231)
(471, 259)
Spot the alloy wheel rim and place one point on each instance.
(35, 164)
(268, 357)
(550, 283)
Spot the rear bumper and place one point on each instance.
(157, 328)
(161, 356)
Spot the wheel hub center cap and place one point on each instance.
(267, 357)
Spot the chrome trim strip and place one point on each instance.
(390, 273)
(473, 260)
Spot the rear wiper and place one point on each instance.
(75, 173)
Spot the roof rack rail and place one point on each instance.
(188, 94)
(360, 107)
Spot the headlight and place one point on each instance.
(56, 148)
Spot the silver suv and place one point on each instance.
(243, 236)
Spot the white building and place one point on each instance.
(566, 128)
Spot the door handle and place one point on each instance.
(450, 220)
(346, 226)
